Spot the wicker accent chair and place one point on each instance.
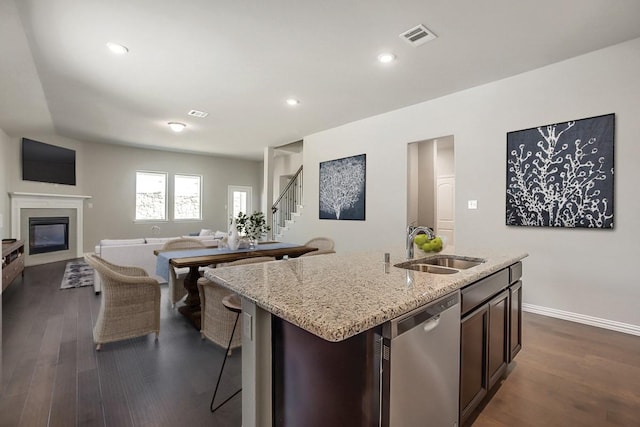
(130, 302)
(216, 320)
(177, 291)
(319, 252)
(322, 243)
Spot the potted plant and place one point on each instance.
(252, 227)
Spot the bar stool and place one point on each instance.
(232, 303)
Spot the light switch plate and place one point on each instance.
(247, 326)
(472, 204)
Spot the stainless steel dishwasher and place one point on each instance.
(421, 366)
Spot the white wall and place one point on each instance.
(427, 166)
(107, 173)
(4, 211)
(5, 208)
(445, 157)
(590, 272)
(284, 165)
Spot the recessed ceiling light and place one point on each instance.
(386, 58)
(118, 49)
(176, 126)
(292, 102)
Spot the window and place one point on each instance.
(151, 196)
(186, 200)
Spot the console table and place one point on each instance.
(12, 261)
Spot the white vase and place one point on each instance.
(234, 238)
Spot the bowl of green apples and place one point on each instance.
(427, 245)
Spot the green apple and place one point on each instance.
(427, 247)
(420, 239)
(437, 244)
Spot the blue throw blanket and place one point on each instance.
(162, 262)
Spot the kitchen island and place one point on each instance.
(341, 299)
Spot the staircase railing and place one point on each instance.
(287, 203)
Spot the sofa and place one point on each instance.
(139, 253)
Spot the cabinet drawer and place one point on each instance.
(475, 294)
(515, 272)
(11, 271)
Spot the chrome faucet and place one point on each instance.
(412, 232)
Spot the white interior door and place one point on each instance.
(445, 207)
(239, 200)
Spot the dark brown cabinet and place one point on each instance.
(515, 314)
(473, 360)
(498, 337)
(490, 334)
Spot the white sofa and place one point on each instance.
(138, 253)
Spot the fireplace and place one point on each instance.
(48, 234)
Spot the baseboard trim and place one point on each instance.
(626, 328)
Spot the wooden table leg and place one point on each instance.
(191, 307)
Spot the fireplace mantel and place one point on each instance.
(21, 201)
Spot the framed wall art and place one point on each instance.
(342, 188)
(561, 175)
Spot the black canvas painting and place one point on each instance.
(561, 175)
(342, 188)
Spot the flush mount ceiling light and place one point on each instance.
(118, 49)
(177, 126)
(292, 102)
(386, 58)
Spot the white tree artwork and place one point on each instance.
(342, 188)
(561, 175)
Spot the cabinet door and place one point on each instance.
(473, 360)
(498, 336)
(515, 323)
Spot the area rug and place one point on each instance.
(77, 274)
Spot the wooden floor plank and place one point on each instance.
(64, 401)
(90, 408)
(567, 374)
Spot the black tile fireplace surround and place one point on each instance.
(48, 234)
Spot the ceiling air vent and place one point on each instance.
(418, 35)
(199, 114)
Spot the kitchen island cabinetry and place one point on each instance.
(490, 334)
(311, 345)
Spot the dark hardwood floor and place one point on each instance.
(52, 375)
(567, 374)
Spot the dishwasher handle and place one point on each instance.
(421, 315)
(431, 324)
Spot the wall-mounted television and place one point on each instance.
(48, 163)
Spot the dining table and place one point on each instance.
(196, 258)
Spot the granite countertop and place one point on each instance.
(337, 296)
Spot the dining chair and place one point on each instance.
(322, 243)
(319, 252)
(129, 302)
(177, 291)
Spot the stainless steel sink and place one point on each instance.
(428, 268)
(441, 264)
(459, 262)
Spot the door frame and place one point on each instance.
(239, 188)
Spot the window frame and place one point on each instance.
(200, 188)
(166, 197)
